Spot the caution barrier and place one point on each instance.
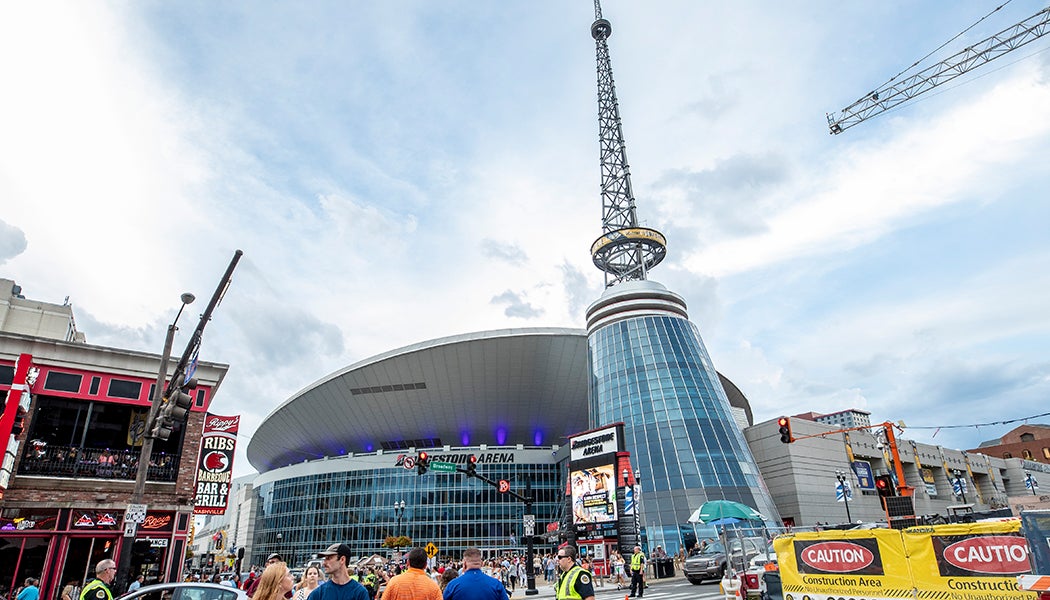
(975, 561)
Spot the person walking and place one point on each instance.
(637, 572)
(275, 583)
(98, 588)
(339, 586)
(413, 583)
(271, 559)
(71, 591)
(137, 583)
(472, 584)
(575, 582)
(446, 577)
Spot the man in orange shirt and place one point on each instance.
(414, 583)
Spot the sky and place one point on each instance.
(400, 171)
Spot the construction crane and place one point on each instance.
(893, 94)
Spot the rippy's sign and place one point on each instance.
(215, 464)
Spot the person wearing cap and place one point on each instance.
(413, 583)
(272, 559)
(575, 582)
(473, 583)
(335, 560)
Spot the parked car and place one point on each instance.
(186, 591)
(711, 562)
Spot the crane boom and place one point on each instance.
(892, 94)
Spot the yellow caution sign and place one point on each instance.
(431, 550)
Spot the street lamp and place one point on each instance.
(960, 483)
(399, 511)
(841, 476)
(147, 445)
(1030, 482)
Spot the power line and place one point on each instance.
(1006, 422)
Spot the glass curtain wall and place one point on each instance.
(654, 374)
(299, 516)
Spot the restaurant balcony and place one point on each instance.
(49, 460)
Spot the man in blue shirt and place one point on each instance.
(30, 591)
(339, 585)
(473, 584)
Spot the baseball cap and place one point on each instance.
(337, 550)
(275, 556)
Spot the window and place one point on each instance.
(62, 382)
(1008, 455)
(1027, 437)
(1027, 454)
(119, 388)
(1046, 452)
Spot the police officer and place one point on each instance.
(98, 588)
(575, 582)
(637, 571)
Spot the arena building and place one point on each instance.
(331, 458)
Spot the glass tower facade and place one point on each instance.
(651, 371)
(304, 508)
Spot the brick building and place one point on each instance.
(1028, 442)
(71, 474)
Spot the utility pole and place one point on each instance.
(136, 512)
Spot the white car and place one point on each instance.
(186, 591)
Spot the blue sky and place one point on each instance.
(400, 171)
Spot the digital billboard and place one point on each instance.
(593, 494)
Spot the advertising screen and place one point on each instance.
(593, 494)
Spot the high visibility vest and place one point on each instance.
(96, 590)
(567, 584)
(636, 561)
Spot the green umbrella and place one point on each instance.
(714, 510)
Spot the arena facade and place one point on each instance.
(331, 458)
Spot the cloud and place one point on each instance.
(12, 241)
(517, 306)
(509, 253)
(579, 293)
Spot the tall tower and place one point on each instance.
(649, 367)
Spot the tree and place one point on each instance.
(397, 541)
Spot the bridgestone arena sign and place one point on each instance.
(595, 443)
(486, 458)
(215, 464)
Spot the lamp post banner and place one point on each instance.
(215, 464)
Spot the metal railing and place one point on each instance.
(40, 458)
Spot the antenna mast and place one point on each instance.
(625, 251)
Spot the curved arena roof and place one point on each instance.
(504, 387)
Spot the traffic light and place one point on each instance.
(174, 408)
(884, 486)
(784, 424)
(472, 465)
(422, 462)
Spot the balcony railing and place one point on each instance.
(69, 461)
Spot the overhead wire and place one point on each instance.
(988, 424)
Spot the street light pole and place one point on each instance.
(1030, 482)
(845, 497)
(146, 452)
(399, 511)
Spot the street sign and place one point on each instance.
(504, 486)
(136, 513)
(443, 467)
(130, 528)
(410, 463)
(431, 550)
(530, 524)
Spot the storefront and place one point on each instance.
(63, 545)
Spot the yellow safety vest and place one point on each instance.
(96, 590)
(566, 589)
(636, 561)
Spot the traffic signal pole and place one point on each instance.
(160, 393)
(527, 499)
(903, 488)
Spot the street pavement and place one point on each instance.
(672, 588)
